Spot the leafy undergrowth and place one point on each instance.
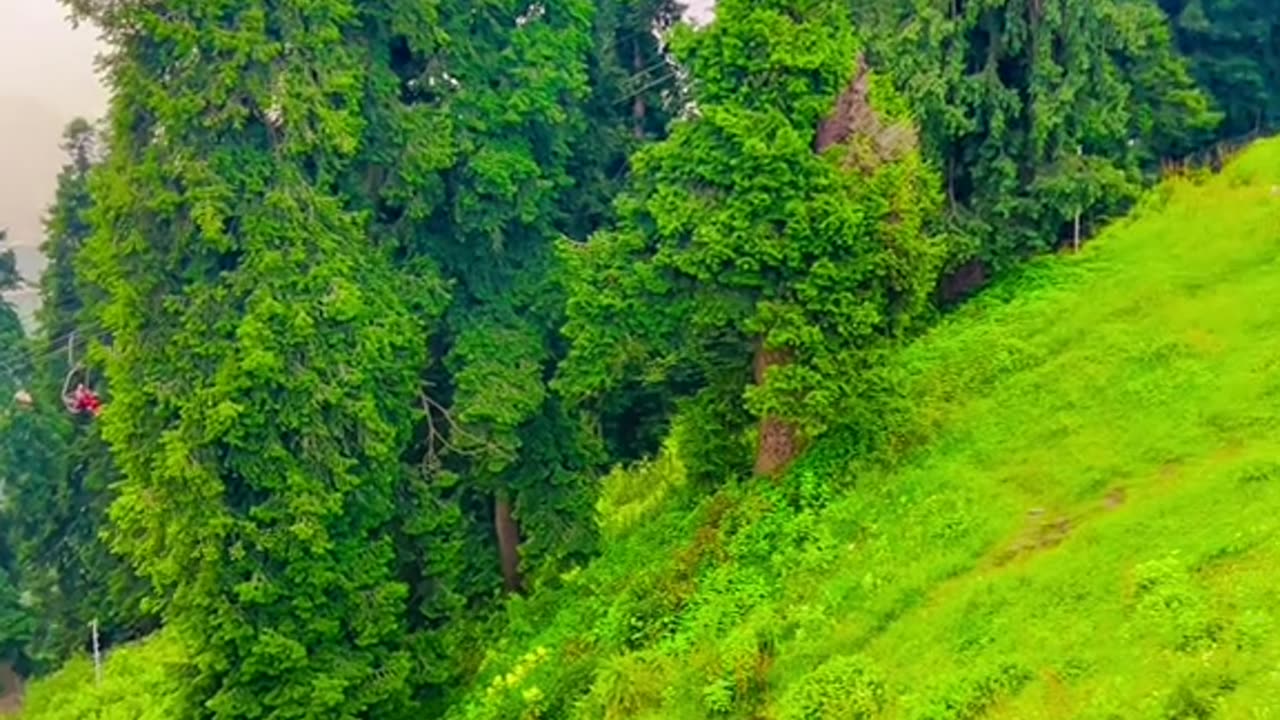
(1082, 523)
(1081, 520)
(136, 684)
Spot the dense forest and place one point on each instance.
(402, 315)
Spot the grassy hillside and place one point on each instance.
(1081, 519)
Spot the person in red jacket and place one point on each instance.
(84, 400)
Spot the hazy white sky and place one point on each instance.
(43, 58)
(46, 79)
(700, 9)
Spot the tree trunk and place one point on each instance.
(951, 182)
(638, 107)
(504, 522)
(10, 689)
(779, 439)
(1075, 237)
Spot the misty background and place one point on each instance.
(49, 79)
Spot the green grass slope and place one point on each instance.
(1080, 518)
(1083, 520)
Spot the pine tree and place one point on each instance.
(770, 244)
(1234, 51)
(1041, 115)
(508, 126)
(66, 230)
(37, 550)
(262, 354)
(16, 622)
(59, 468)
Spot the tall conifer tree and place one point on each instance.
(1041, 115)
(1234, 50)
(503, 128)
(58, 468)
(261, 356)
(769, 245)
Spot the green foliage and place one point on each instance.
(377, 291)
(66, 230)
(1078, 513)
(630, 494)
(139, 682)
(1174, 607)
(264, 352)
(30, 457)
(15, 361)
(262, 358)
(511, 696)
(736, 238)
(624, 686)
(1081, 96)
(976, 693)
(17, 624)
(57, 469)
(509, 126)
(1234, 51)
(9, 276)
(843, 687)
(634, 95)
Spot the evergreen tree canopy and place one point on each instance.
(262, 355)
(57, 467)
(780, 229)
(1234, 50)
(376, 290)
(16, 622)
(1038, 113)
(503, 128)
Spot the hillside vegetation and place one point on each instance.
(1082, 523)
(1077, 519)
(563, 359)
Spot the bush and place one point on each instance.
(138, 683)
(630, 494)
(845, 688)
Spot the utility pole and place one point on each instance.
(1075, 238)
(1079, 209)
(97, 653)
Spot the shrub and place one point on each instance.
(630, 494)
(847, 687)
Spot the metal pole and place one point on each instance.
(97, 653)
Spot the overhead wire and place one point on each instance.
(56, 346)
